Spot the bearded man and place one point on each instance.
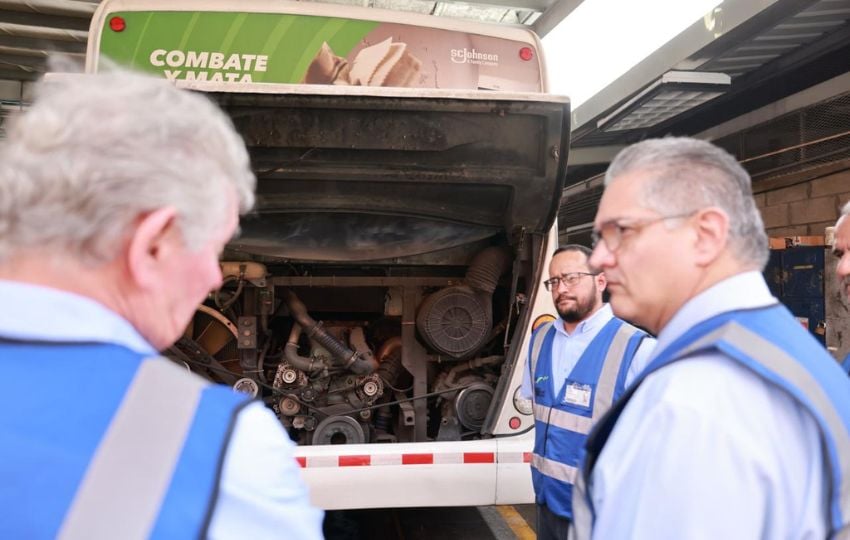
(578, 366)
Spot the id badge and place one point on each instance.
(577, 394)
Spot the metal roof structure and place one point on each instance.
(748, 40)
(756, 52)
(778, 55)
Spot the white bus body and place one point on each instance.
(394, 152)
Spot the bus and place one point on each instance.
(381, 297)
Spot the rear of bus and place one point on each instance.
(381, 297)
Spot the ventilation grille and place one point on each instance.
(795, 142)
(7, 109)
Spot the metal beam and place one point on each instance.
(25, 63)
(23, 52)
(68, 8)
(38, 32)
(11, 91)
(41, 19)
(13, 75)
(556, 13)
(42, 45)
(373, 281)
(592, 155)
(815, 94)
(522, 5)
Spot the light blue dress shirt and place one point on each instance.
(706, 449)
(568, 348)
(261, 492)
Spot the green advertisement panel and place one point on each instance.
(308, 49)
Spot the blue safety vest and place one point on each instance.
(565, 411)
(773, 345)
(100, 442)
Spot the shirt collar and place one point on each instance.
(46, 314)
(746, 290)
(599, 319)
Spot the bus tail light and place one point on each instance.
(117, 24)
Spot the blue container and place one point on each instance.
(773, 272)
(802, 272)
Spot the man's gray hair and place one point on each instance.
(94, 152)
(690, 174)
(845, 209)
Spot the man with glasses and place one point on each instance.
(579, 364)
(739, 427)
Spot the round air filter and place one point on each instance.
(455, 321)
(472, 404)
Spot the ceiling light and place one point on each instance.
(672, 94)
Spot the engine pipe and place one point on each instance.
(290, 353)
(360, 364)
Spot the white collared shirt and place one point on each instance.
(706, 449)
(261, 493)
(567, 349)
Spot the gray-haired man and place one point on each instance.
(117, 194)
(841, 249)
(740, 425)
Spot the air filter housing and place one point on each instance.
(455, 321)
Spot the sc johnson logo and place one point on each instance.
(471, 56)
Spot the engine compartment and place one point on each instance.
(375, 293)
(367, 354)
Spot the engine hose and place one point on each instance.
(224, 306)
(487, 267)
(353, 361)
(261, 371)
(290, 353)
(390, 367)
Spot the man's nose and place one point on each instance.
(601, 257)
(843, 268)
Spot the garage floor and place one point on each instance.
(467, 523)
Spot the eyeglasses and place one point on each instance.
(570, 280)
(612, 232)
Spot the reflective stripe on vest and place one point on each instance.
(561, 427)
(554, 469)
(736, 341)
(581, 527)
(563, 419)
(768, 354)
(610, 370)
(130, 473)
(536, 344)
(605, 386)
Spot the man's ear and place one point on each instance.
(601, 281)
(712, 234)
(149, 242)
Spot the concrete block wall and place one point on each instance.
(805, 208)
